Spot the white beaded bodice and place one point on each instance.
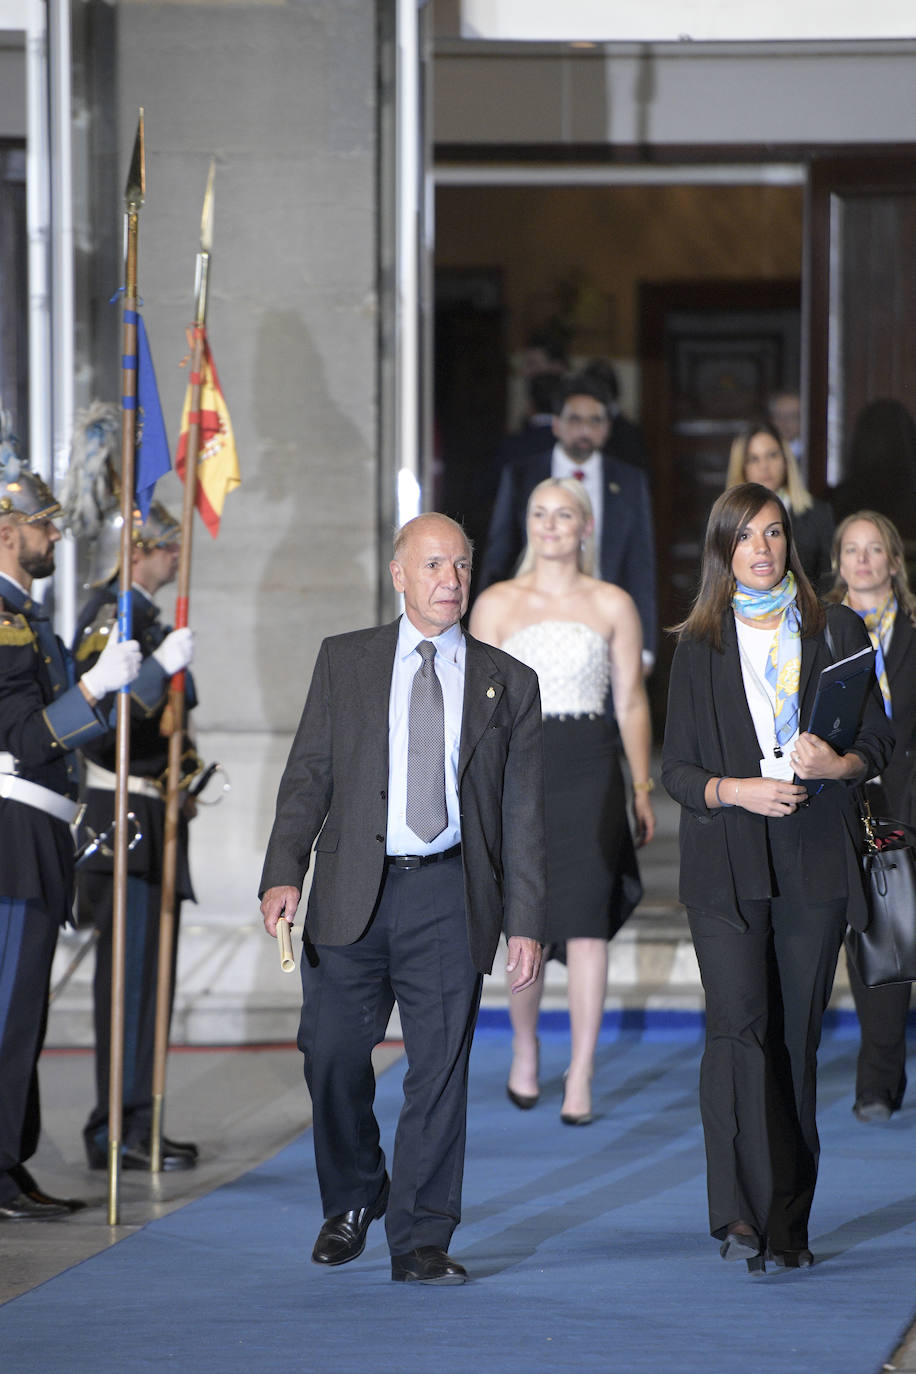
(571, 661)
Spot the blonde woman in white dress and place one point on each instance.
(582, 637)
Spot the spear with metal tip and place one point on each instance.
(176, 710)
(134, 195)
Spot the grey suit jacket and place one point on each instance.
(334, 791)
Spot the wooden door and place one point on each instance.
(14, 356)
(860, 305)
(470, 394)
(711, 353)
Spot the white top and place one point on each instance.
(754, 647)
(571, 661)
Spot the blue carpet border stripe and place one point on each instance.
(667, 1021)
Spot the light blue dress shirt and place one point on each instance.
(449, 665)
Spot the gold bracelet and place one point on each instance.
(644, 786)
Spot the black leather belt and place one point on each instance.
(421, 860)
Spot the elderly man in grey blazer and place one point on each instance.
(416, 772)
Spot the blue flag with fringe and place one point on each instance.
(153, 459)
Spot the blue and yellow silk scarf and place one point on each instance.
(879, 622)
(784, 658)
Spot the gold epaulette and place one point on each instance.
(15, 629)
(96, 635)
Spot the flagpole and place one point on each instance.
(133, 197)
(176, 709)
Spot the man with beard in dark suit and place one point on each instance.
(417, 768)
(619, 495)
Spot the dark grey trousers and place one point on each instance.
(415, 952)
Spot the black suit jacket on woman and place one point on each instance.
(898, 778)
(710, 733)
(812, 532)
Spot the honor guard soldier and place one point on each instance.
(156, 546)
(44, 716)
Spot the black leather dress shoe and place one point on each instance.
(343, 1237)
(137, 1156)
(30, 1187)
(427, 1264)
(22, 1208)
(791, 1259)
(180, 1147)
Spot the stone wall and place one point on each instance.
(283, 95)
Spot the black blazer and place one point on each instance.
(899, 777)
(710, 733)
(334, 788)
(812, 532)
(627, 553)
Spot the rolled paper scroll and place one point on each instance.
(284, 935)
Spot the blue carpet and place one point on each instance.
(588, 1248)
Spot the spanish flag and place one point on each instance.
(217, 459)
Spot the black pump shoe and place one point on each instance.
(520, 1100)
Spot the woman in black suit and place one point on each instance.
(870, 576)
(760, 454)
(769, 877)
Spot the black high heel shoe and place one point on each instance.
(744, 1245)
(520, 1100)
(577, 1118)
(525, 1101)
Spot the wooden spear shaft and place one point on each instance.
(136, 185)
(177, 698)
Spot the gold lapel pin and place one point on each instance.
(491, 692)
(614, 487)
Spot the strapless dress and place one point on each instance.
(592, 876)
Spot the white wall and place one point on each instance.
(12, 93)
(729, 93)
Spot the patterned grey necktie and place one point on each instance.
(427, 814)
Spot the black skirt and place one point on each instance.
(592, 875)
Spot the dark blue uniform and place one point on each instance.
(148, 764)
(43, 717)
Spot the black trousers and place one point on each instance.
(882, 1013)
(141, 973)
(767, 988)
(415, 952)
(28, 938)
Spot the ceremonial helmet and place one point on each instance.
(22, 492)
(157, 531)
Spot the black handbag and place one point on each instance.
(885, 952)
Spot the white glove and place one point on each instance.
(118, 664)
(176, 651)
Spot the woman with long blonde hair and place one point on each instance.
(583, 637)
(870, 576)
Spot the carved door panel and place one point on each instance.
(711, 354)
